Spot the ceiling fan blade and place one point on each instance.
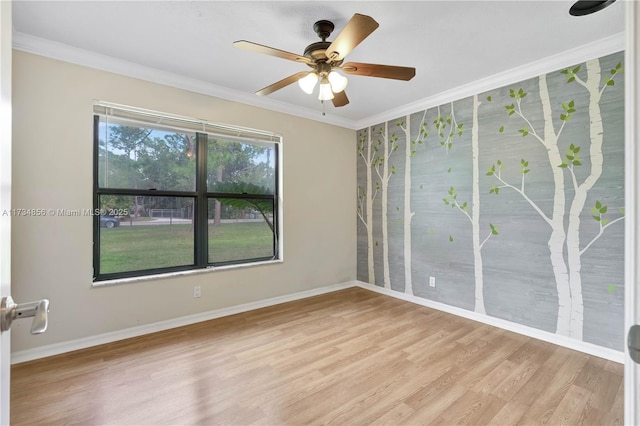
(340, 99)
(382, 71)
(357, 29)
(258, 48)
(282, 83)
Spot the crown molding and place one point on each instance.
(39, 46)
(602, 47)
(51, 49)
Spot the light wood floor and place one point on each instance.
(347, 358)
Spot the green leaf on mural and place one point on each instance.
(598, 205)
(611, 83)
(511, 109)
(604, 222)
(577, 163)
(446, 201)
(572, 104)
(621, 211)
(501, 129)
(397, 208)
(376, 243)
(612, 288)
(563, 165)
(494, 229)
(595, 210)
(449, 170)
(421, 186)
(576, 69)
(524, 131)
(564, 72)
(603, 210)
(597, 218)
(489, 98)
(450, 239)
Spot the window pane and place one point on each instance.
(134, 157)
(240, 229)
(240, 167)
(142, 232)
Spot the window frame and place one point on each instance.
(201, 197)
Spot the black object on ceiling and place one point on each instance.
(586, 7)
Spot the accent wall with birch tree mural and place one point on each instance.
(513, 199)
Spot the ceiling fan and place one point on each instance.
(326, 57)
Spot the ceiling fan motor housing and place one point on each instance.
(317, 51)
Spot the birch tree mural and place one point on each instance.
(366, 195)
(389, 144)
(565, 231)
(511, 199)
(411, 149)
(474, 215)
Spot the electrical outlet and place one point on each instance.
(196, 292)
(432, 281)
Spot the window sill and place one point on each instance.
(121, 281)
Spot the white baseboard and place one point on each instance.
(588, 348)
(83, 343)
(86, 342)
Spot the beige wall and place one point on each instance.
(52, 168)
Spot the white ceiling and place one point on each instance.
(189, 44)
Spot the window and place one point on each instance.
(168, 197)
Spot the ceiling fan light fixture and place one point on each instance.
(308, 82)
(325, 93)
(338, 81)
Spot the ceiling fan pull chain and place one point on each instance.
(323, 113)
